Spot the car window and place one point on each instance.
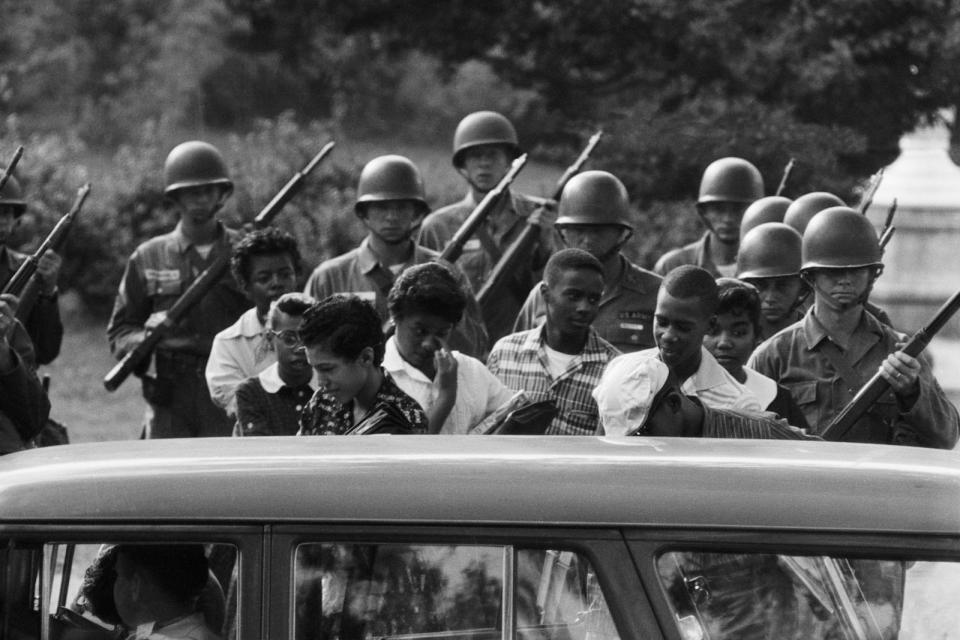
(357, 591)
(719, 596)
(92, 591)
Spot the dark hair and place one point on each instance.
(567, 259)
(293, 304)
(430, 288)
(180, 570)
(345, 325)
(688, 281)
(739, 298)
(262, 242)
(96, 590)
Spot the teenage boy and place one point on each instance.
(270, 403)
(732, 338)
(769, 259)
(266, 264)
(158, 273)
(562, 360)
(391, 205)
(343, 336)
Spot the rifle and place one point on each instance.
(10, 167)
(139, 355)
(521, 246)
(54, 240)
(877, 385)
(478, 216)
(888, 228)
(786, 176)
(870, 191)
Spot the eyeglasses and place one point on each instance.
(289, 338)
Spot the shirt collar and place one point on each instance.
(183, 244)
(247, 326)
(272, 383)
(593, 349)
(814, 332)
(367, 260)
(393, 362)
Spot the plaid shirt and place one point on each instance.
(520, 361)
(725, 423)
(325, 416)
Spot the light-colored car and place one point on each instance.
(486, 538)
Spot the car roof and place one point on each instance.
(562, 481)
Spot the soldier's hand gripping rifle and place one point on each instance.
(54, 240)
(10, 167)
(523, 244)
(138, 356)
(481, 212)
(868, 395)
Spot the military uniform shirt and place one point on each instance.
(795, 358)
(44, 324)
(482, 252)
(520, 361)
(696, 253)
(625, 319)
(359, 273)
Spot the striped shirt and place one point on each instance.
(724, 423)
(714, 385)
(520, 361)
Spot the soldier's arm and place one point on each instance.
(130, 310)
(45, 327)
(532, 311)
(932, 420)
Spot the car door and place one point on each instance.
(454, 583)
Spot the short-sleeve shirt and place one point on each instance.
(714, 385)
(325, 416)
(479, 392)
(520, 361)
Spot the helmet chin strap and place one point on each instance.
(860, 300)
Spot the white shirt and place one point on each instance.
(478, 391)
(238, 352)
(191, 627)
(714, 385)
(761, 386)
(557, 361)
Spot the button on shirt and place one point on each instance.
(359, 273)
(520, 361)
(625, 319)
(714, 385)
(267, 406)
(479, 392)
(239, 352)
(795, 358)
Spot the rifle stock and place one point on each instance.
(481, 212)
(521, 246)
(10, 167)
(137, 357)
(54, 240)
(877, 385)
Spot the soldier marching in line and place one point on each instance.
(391, 204)
(484, 144)
(157, 273)
(727, 188)
(594, 215)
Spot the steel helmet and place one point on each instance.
(193, 164)
(839, 237)
(768, 209)
(484, 127)
(390, 178)
(12, 196)
(594, 197)
(730, 180)
(769, 250)
(802, 210)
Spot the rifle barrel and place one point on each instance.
(11, 166)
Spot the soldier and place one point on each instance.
(564, 359)
(157, 273)
(24, 406)
(769, 259)
(827, 357)
(390, 204)
(266, 263)
(727, 188)
(484, 144)
(594, 215)
(43, 322)
(767, 209)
